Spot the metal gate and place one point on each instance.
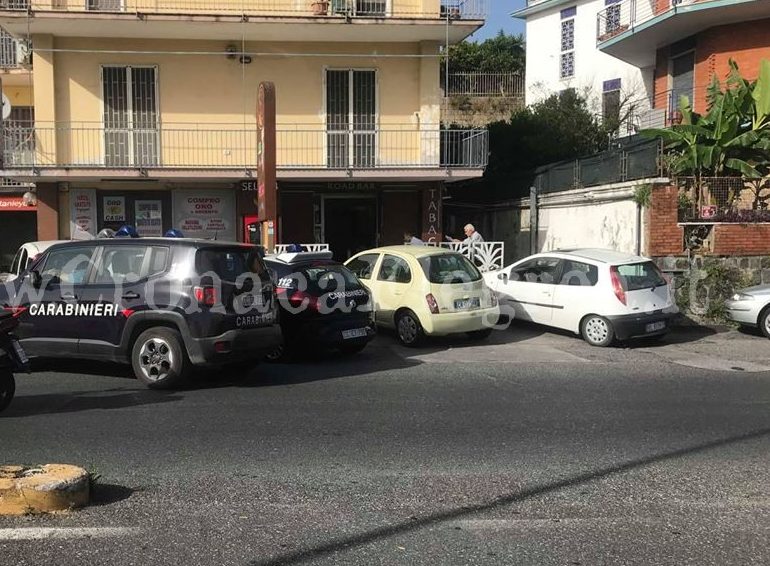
(351, 118)
(131, 136)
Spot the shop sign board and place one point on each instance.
(149, 217)
(205, 214)
(114, 209)
(82, 213)
(14, 203)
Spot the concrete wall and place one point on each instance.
(592, 67)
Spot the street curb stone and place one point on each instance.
(42, 489)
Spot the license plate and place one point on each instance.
(355, 333)
(465, 304)
(655, 326)
(20, 353)
(249, 301)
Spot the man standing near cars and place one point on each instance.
(412, 240)
(471, 236)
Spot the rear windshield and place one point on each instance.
(449, 268)
(637, 276)
(229, 263)
(319, 279)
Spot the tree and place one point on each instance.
(500, 54)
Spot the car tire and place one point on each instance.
(7, 388)
(159, 358)
(764, 321)
(277, 355)
(482, 334)
(597, 331)
(408, 329)
(352, 349)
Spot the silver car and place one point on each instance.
(751, 307)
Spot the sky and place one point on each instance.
(500, 18)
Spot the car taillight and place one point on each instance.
(301, 299)
(432, 304)
(206, 296)
(617, 285)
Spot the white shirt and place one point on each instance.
(415, 241)
(473, 238)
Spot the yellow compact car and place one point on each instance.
(425, 290)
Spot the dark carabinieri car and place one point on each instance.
(324, 306)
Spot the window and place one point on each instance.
(19, 262)
(449, 268)
(130, 116)
(121, 264)
(538, 270)
(611, 104)
(19, 132)
(105, 5)
(350, 118)
(363, 266)
(638, 276)
(394, 270)
(612, 16)
(579, 274)
(567, 57)
(229, 264)
(329, 278)
(67, 266)
(158, 260)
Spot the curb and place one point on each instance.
(43, 489)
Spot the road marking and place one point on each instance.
(42, 533)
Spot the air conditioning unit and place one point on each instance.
(23, 52)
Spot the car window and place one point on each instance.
(537, 270)
(579, 274)
(449, 268)
(158, 260)
(121, 264)
(637, 276)
(15, 264)
(230, 263)
(67, 266)
(395, 270)
(363, 266)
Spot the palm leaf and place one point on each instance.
(744, 167)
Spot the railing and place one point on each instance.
(724, 199)
(506, 85)
(487, 256)
(8, 53)
(233, 146)
(450, 9)
(282, 248)
(621, 16)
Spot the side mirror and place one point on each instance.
(503, 276)
(35, 278)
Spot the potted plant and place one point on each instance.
(320, 7)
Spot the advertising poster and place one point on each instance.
(149, 217)
(82, 214)
(205, 214)
(114, 209)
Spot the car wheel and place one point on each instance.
(597, 331)
(764, 321)
(350, 349)
(482, 334)
(277, 354)
(159, 358)
(7, 388)
(409, 329)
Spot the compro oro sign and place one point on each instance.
(205, 214)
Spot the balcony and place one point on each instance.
(484, 85)
(632, 30)
(195, 151)
(266, 20)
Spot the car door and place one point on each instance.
(51, 325)
(576, 294)
(529, 288)
(394, 277)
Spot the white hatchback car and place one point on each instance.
(601, 294)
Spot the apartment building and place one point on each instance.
(144, 112)
(637, 57)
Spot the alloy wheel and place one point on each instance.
(407, 329)
(156, 359)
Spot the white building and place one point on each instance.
(562, 53)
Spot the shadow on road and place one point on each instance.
(82, 367)
(107, 494)
(344, 544)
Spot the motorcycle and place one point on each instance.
(12, 358)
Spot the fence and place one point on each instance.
(619, 17)
(233, 146)
(636, 159)
(723, 199)
(451, 9)
(505, 85)
(487, 256)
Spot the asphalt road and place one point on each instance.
(530, 449)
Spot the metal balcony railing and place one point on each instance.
(450, 9)
(504, 85)
(232, 146)
(620, 16)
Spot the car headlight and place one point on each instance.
(742, 297)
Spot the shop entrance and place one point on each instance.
(350, 224)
